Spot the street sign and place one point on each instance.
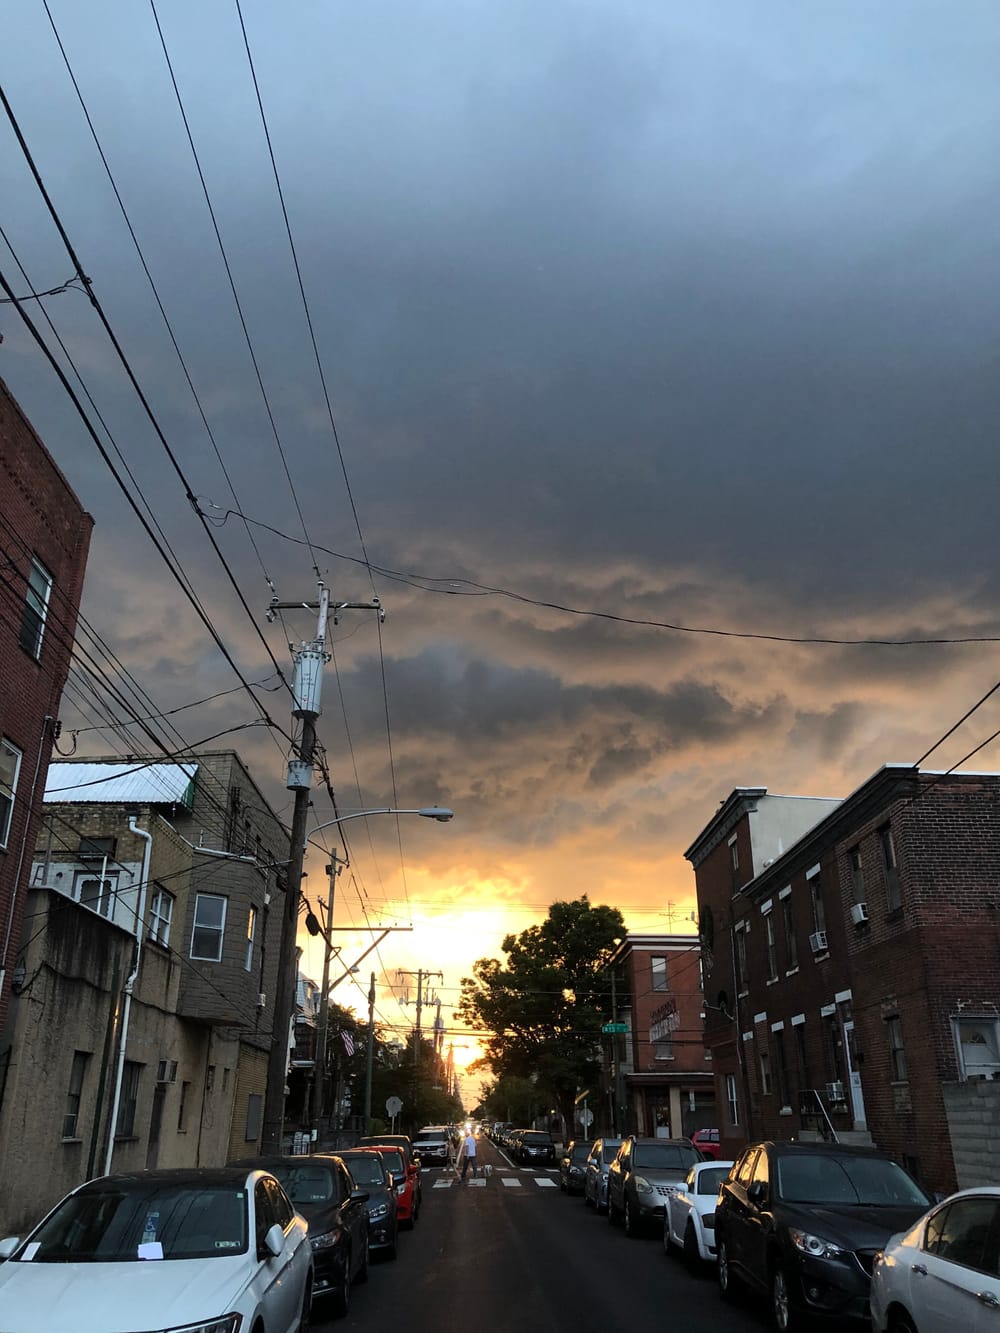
(611, 1029)
(393, 1106)
(586, 1118)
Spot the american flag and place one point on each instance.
(348, 1041)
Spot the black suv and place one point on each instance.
(803, 1222)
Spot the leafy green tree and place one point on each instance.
(544, 1008)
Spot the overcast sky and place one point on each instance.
(683, 313)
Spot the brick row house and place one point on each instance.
(141, 1022)
(851, 954)
(659, 1078)
(44, 540)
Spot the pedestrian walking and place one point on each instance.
(468, 1154)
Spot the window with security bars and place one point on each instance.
(77, 1074)
(36, 608)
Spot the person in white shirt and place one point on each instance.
(468, 1154)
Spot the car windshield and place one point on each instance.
(431, 1136)
(304, 1184)
(125, 1221)
(535, 1136)
(664, 1156)
(393, 1159)
(710, 1180)
(365, 1168)
(581, 1151)
(814, 1178)
(609, 1152)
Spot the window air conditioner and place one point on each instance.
(817, 941)
(835, 1092)
(859, 913)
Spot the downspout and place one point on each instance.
(140, 917)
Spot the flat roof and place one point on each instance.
(121, 783)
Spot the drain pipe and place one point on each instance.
(140, 917)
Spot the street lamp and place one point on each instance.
(439, 812)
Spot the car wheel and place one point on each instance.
(900, 1322)
(691, 1255)
(729, 1286)
(628, 1220)
(307, 1300)
(362, 1275)
(611, 1211)
(785, 1318)
(587, 1200)
(340, 1296)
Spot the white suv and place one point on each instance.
(432, 1144)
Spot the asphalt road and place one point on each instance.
(514, 1252)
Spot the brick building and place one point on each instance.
(140, 1048)
(852, 974)
(44, 539)
(664, 1083)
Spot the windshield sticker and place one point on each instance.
(227, 1245)
(149, 1249)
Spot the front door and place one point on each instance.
(854, 1076)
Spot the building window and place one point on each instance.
(10, 768)
(659, 966)
(209, 927)
(819, 910)
(801, 1051)
(765, 1073)
(857, 874)
(663, 1049)
(182, 1109)
(251, 931)
(791, 943)
(97, 849)
(78, 1071)
(96, 893)
(160, 915)
(978, 1042)
(125, 1128)
(225, 1078)
(734, 862)
(36, 607)
(772, 951)
(781, 1068)
(732, 1099)
(741, 960)
(897, 1056)
(893, 898)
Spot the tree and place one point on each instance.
(544, 1008)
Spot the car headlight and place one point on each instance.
(379, 1211)
(817, 1246)
(604, 1177)
(642, 1185)
(324, 1240)
(227, 1324)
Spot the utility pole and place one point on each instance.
(310, 659)
(323, 1023)
(421, 977)
(370, 1056)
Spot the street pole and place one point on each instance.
(370, 1056)
(323, 1023)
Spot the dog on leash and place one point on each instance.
(487, 1170)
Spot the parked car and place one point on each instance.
(573, 1165)
(336, 1210)
(943, 1275)
(803, 1223)
(405, 1144)
(643, 1175)
(222, 1238)
(510, 1142)
(707, 1143)
(595, 1181)
(369, 1172)
(432, 1144)
(405, 1183)
(689, 1222)
(536, 1148)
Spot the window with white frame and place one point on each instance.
(161, 913)
(772, 950)
(857, 874)
(209, 927)
(10, 768)
(658, 963)
(732, 1099)
(251, 932)
(893, 897)
(978, 1041)
(98, 892)
(897, 1055)
(36, 608)
(818, 906)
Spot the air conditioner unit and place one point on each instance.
(835, 1092)
(859, 913)
(817, 941)
(262, 1000)
(166, 1071)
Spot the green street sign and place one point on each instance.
(610, 1029)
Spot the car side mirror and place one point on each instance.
(359, 1196)
(8, 1245)
(274, 1241)
(757, 1193)
(416, 1161)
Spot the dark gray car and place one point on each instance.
(595, 1180)
(368, 1171)
(643, 1176)
(573, 1166)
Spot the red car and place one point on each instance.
(404, 1181)
(707, 1143)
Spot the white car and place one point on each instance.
(206, 1251)
(689, 1221)
(943, 1275)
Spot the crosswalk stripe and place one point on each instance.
(442, 1185)
(545, 1183)
(505, 1181)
